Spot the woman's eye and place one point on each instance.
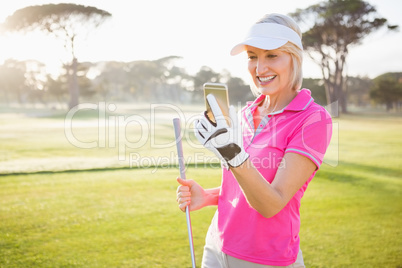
(251, 57)
(272, 56)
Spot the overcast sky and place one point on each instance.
(202, 32)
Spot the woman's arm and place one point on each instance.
(190, 193)
(268, 199)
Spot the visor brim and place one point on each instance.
(258, 42)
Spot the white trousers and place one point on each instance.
(213, 257)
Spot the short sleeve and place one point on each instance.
(313, 136)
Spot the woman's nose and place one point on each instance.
(261, 67)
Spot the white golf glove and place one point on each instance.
(224, 140)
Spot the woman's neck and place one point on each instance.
(274, 103)
(271, 104)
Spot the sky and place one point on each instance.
(202, 32)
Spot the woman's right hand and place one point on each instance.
(191, 194)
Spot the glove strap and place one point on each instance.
(232, 155)
(239, 159)
(230, 151)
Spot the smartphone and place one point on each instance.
(220, 92)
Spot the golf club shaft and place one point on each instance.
(177, 132)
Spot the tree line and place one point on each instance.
(160, 80)
(163, 80)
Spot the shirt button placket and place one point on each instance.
(263, 123)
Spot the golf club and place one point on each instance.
(177, 132)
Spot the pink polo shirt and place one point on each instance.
(302, 127)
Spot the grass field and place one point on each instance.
(63, 206)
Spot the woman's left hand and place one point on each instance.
(224, 140)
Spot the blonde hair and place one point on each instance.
(295, 52)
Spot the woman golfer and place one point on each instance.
(269, 153)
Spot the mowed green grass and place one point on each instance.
(124, 218)
(128, 138)
(128, 217)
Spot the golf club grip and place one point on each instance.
(177, 133)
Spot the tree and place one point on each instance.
(113, 80)
(387, 89)
(146, 77)
(358, 89)
(12, 80)
(56, 88)
(317, 89)
(204, 75)
(35, 80)
(157, 80)
(333, 27)
(238, 91)
(64, 21)
(175, 80)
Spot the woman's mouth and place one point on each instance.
(266, 79)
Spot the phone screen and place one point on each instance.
(220, 92)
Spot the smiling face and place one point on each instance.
(270, 70)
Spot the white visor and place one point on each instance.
(267, 36)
